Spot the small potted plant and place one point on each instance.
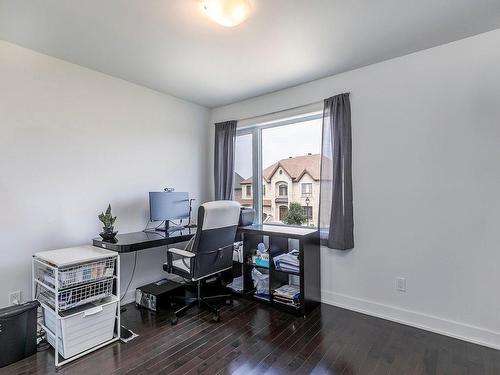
(108, 220)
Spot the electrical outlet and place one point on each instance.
(15, 298)
(401, 284)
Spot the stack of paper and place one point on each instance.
(287, 262)
(288, 294)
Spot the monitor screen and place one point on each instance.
(168, 205)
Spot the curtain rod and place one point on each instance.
(285, 110)
(280, 111)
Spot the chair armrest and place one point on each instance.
(183, 253)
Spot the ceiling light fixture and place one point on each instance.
(227, 12)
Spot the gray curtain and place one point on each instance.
(225, 139)
(336, 221)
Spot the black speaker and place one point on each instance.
(18, 332)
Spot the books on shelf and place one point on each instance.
(287, 294)
(287, 262)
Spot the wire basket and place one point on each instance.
(76, 275)
(78, 295)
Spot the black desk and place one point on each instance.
(129, 242)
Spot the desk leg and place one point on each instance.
(125, 334)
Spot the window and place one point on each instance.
(282, 190)
(280, 155)
(307, 189)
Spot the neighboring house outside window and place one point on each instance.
(248, 191)
(298, 175)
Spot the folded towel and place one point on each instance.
(288, 261)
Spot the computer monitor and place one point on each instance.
(165, 206)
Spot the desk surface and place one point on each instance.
(128, 242)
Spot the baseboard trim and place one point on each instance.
(461, 331)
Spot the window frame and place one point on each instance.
(284, 186)
(306, 194)
(256, 131)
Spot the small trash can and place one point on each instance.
(18, 332)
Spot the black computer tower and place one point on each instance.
(158, 295)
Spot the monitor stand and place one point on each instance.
(168, 229)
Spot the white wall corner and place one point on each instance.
(129, 297)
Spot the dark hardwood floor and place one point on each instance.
(256, 339)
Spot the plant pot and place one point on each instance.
(108, 233)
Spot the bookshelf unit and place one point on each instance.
(279, 240)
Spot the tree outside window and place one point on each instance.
(295, 215)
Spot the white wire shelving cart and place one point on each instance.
(79, 292)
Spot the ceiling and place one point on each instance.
(172, 47)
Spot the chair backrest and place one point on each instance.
(214, 238)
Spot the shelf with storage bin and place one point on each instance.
(280, 240)
(79, 291)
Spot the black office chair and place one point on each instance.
(208, 253)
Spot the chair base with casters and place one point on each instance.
(200, 302)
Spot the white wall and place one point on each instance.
(72, 140)
(426, 165)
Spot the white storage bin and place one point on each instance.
(82, 329)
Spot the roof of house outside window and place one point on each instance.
(237, 181)
(296, 167)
